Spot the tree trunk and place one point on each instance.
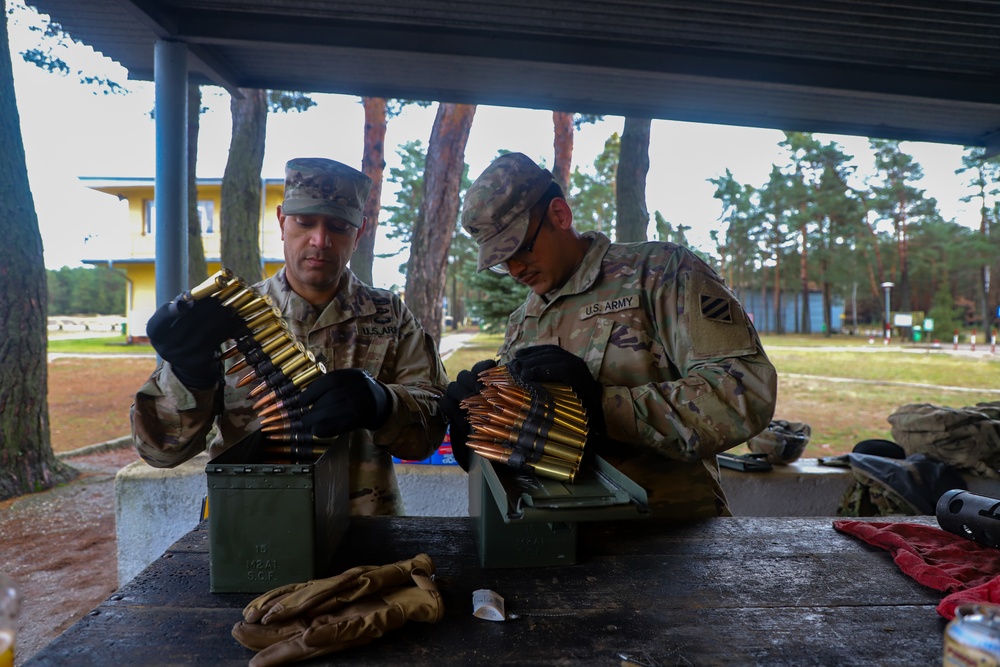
(240, 220)
(804, 281)
(562, 144)
(827, 309)
(763, 299)
(902, 291)
(985, 286)
(989, 315)
(795, 319)
(373, 165)
(875, 292)
(426, 270)
(457, 302)
(779, 321)
(197, 266)
(27, 463)
(630, 185)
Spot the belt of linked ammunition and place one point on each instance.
(532, 426)
(277, 364)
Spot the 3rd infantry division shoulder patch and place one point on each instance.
(716, 308)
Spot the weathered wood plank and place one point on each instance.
(723, 592)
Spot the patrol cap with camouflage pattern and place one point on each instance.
(318, 186)
(498, 205)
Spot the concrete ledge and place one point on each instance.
(155, 507)
(430, 490)
(800, 489)
(804, 488)
(117, 443)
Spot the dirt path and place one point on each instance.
(59, 547)
(89, 398)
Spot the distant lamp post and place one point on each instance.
(887, 286)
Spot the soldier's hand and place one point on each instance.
(189, 334)
(466, 384)
(344, 400)
(551, 363)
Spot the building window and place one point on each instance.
(206, 215)
(206, 210)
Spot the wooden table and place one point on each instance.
(736, 591)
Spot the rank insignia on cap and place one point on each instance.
(716, 308)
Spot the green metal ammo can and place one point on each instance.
(271, 524)
(522, 520)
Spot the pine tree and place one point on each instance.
(27, 463)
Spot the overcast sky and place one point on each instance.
(69, 132)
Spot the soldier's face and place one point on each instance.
(548, 265)
(317, 251)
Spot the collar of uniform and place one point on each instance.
(583, 278)
(352, 301)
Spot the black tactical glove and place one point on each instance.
(466, 384)
(551, 363)
(189, 334)
(344, 400)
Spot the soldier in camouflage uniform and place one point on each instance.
(390, 403)
(675, 368)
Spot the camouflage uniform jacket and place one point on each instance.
(363, 327)
(684, 374)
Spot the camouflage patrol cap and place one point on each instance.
(497, 206)
(782, 441)
(318, 186)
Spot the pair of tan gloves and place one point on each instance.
(300, 621)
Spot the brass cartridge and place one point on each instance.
(272, 363)
(280, 376)
(293, 385)
(212, 286)
(556, 442)
(536, 426)
(264, 318)
(537, 442)
(569, 415)
(257, 355)
(297, 450)
(251, 307)
(240, 298)
(284, 425)
(246, 343)
(232, 288)
(545, 466)
(280, 414)
(573, 426)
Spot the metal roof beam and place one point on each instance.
(164, 25)
(992, 144)
(207, 27)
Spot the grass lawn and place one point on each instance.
(109, 345)
(844, 395)
(482, 346)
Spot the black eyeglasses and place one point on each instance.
(525, 249)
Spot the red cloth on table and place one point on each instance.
(968, 571)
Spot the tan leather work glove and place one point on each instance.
(323, 616)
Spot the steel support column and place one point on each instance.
(170, 74)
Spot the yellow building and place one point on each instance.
(138, 265)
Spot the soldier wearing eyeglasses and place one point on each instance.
(659, 350)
